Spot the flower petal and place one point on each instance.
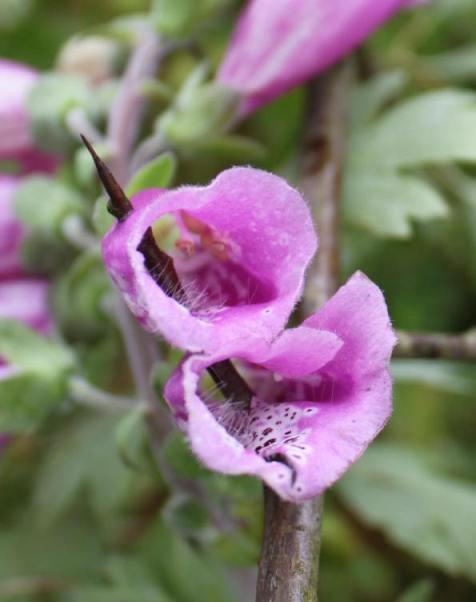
(358, 314)
(269, 229)
(300, 351)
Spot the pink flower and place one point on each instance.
(11, 230)
(240, 247)
(278, 44)
(25, 300)
(322, 394)
(16, 81)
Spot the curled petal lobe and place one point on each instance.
(240, 247)
(304, 428)
(278, 44)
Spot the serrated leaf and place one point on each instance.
(435, 127)
(386, 202)
(159, 173)
(429, 515)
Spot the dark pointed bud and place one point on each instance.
(119, 205)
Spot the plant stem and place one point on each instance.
(289, 565)
(432, 345)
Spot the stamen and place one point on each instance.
(119, 205)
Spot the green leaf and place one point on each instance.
(181, 571)
(458, 65)
(370, 97)
(70, 550)
(422, 591)
(78, 296)
(28, 351)
(180, 458)
(103, 221)
(37, 382)
(27, 398)
(84, 458)
(443, 375)
(235, 148)
(429, 515)
(49, 102)
(200, 111)
(179, 17)
(44, 203)
(434, 127)
(386, 203)
(159, 173)
(132, 438)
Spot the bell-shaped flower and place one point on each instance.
(16, 81)
(322, 392)
(279, 44)
(239, 246)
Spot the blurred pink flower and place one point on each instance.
(11, 230)
(26, 300)
(322, 394)
(16, 81)
(241, 248)
(278, 44)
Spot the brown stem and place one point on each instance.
(431, 345)
(289, 565)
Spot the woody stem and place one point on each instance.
(289, 564)
(435, 345)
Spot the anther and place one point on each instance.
(119, 205)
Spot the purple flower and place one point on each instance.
(240, 248)
(16, 81)
(278, 44)
(322, 394)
